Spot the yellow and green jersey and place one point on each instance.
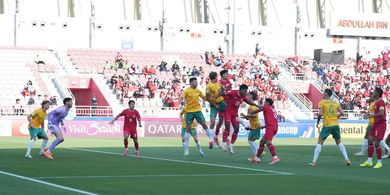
(213, 89)
(191, 96)
(329, 112)
(371, 109)
(38, 116)
(253, 121)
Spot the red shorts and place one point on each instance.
(221, 114)
(270, 132)
(132, 132)
(378, 131)
(231, 117)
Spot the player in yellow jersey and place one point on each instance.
(254, 125)
(36, 123)
(370, 123)
(217, 105)
(184, 134)
(191, 97)
(331, 112)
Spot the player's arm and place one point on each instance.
(115, 118)
(208, 98)
(181, 115)
(43, 124)
(250, 102)
(29, 118)
(139, 119)
(255, 111)
(340, 112)
(320, 113)
(380, 113)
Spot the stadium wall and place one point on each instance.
(186, 37)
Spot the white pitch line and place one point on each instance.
(188, 162)
(48, 184)
(166, 175)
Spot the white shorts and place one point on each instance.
(54, 128)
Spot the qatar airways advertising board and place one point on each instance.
(152, 127)
(369, 25)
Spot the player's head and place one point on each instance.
(45, 105)
(131, 104)
(327, 93)
(268, 101)
(252, 96)
(378, 92)
(224, 74)
(213, 76)
(243, 90)
(193, 82)
(68, 102)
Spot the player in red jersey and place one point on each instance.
(271, 128)
(377, 131)
(233, 100)
(226, 86)
(130, 126)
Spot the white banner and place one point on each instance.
(370, 25)
(5, 128)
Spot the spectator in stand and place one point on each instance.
(218, 62)
(30, 87)
(195, 72)
(94, 103)
(25, 92)
(206, 58)
(257, 50)
(106, 65)
(138, 71)
(113, 81)
(31, 101)
(163, 67)
(175, 68)
(385, 56)
(162, 86)
(228, 65)
(280, 117)
(152, 70)
(38, 60)
(118, 58)
(53, 101)
(18, 108)
(150, 86)
(132, 69)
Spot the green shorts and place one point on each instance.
(214, 111)
(326, 131)
(190, 116)
(368, 129)
(254, 134)
(192, 131)
(37, 132)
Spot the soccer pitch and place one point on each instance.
(95, 165)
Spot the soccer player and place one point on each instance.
(370, 122)
(377, 131)
(254, 124)
(331, 112)
(217, 105)
(234, 99)
(55, 118)
(191, 96)
(130, 127)
(36, 123)
(185, 135)
(226, 86)
(271, 128)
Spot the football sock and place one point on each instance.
(343, 151)
(136, 145)
(126, 143)
(44, 143)
(272, 150)
(234, 137)
(54, 144)
(384, 145)
(225, 135)
(370, 150)
(260, 151)
(364, 146)
(30, 145)
(378, 150)
(253, 147)
(317, 152)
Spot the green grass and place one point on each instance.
(94, 164)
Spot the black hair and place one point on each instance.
(379, 91)
(45, 102)
(243, 87)
(192, 79)
(253, 95)
(223, 72)
(213, 75)
(269, 101)
(67, 100)
(131, 101)
(329, 92)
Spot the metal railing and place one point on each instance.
(80, 110)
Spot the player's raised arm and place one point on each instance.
(29, 118)
(340, 112)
